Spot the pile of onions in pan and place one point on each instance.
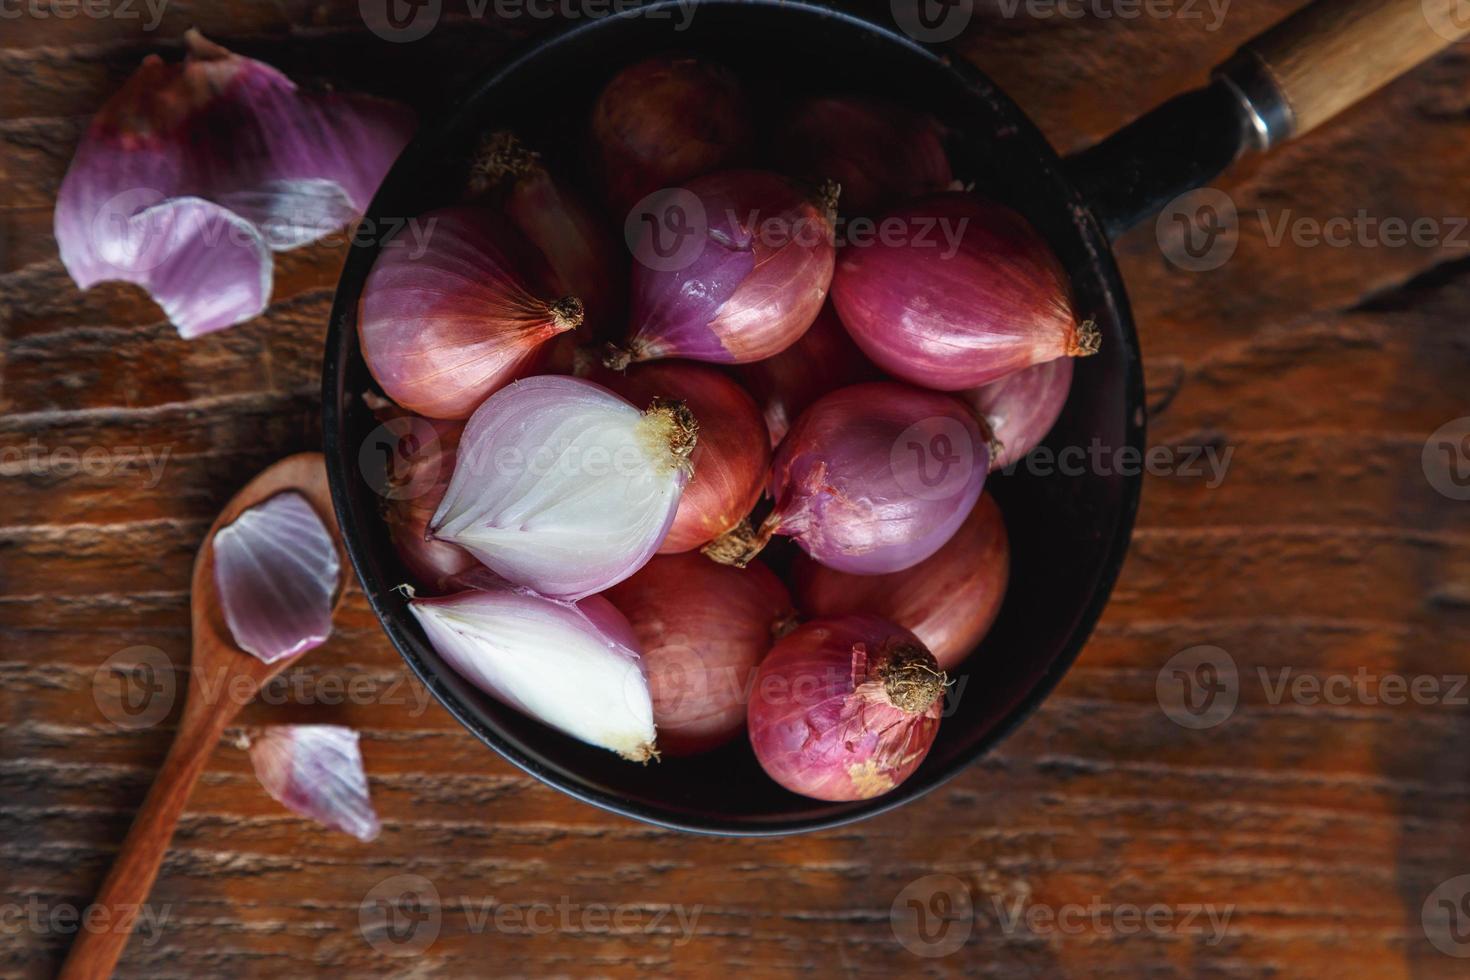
(677, 466)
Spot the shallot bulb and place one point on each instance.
(873, 478)
(845, 708)
(573, 666)
(316, 771)
(880, 152)
(703, 628)
(949, 600)
(564, 487)
(970, 295)
(1020, 409)
(664, 120)
(823, 359)
(733, 269)
(447, 322)
(552, 217)
(733, 454)
(193, 173)
(417, 456)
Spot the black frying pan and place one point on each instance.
(1068, 532)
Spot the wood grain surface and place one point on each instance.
(1313, 832)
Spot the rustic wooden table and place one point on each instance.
(1306, 835)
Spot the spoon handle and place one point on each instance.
(94, 953)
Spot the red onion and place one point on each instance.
(564, 487)
(703, 628)
(846, 708)
(664, 120)
(316, 771)
(1020, 409)
(447, 321)
(743, 277)
(572, 665)
(880, 152)
(823, 359)
(554, 219)
(949, 600)
(873, 478)
(970, 294)
(733, 454)
(418, 456)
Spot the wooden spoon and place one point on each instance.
(222, 679)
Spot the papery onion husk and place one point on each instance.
(418, 456)
(1020, 409)
(549, 213)
(193, 172)
(316, 771)
(822, 360)
(575, 666)
(845, 708)
(949, 600)
(750, 286)
(446, 324)
(881, 152)
(564, 487)
(873, 478)
(664, 120)
(968, 294)
(277, 572)
(703, 629)
(733, 454)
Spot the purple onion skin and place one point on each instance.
(874, 478)
(880, 152)
(952, 317)
(1021, 408)
(750, 292)
(819, 722)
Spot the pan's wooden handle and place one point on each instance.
(1333, 53)
(95, 952)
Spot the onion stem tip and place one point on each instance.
(1087, 341)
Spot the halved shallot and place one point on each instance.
(574, 666)
(564, 487)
